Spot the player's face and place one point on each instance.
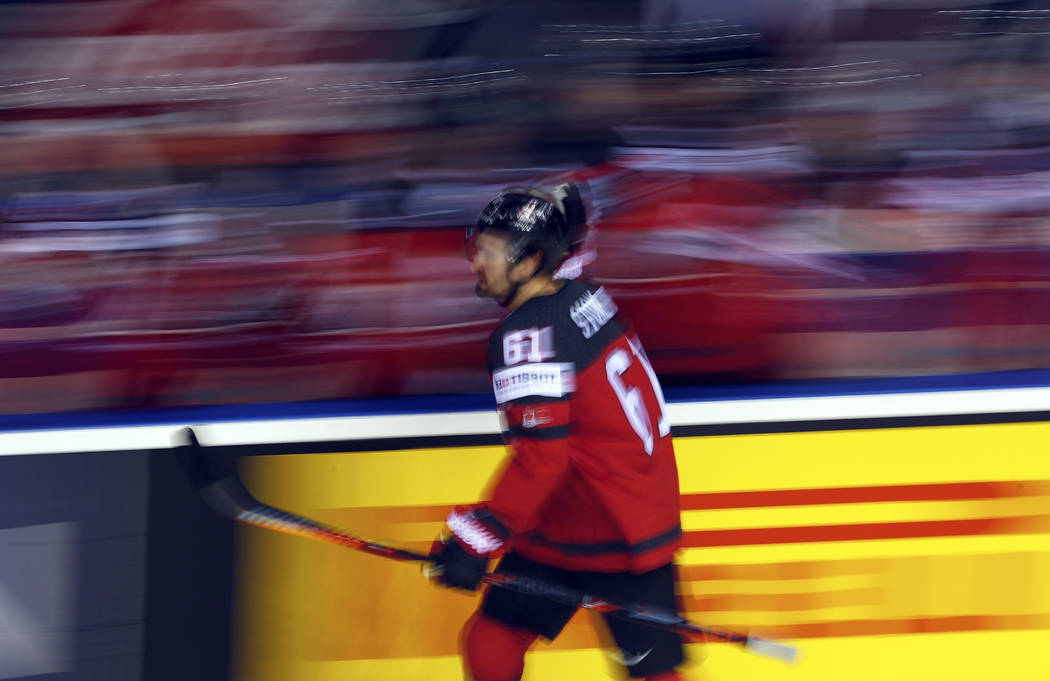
(491, 267)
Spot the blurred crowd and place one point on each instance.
(223, 201)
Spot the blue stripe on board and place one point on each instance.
(421, 404)
(1028, 378)
(250, 412)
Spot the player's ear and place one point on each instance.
(527, 267)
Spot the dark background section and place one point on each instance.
(103, 495)
(189, 586)
(149, 567)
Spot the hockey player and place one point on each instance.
(589, 497)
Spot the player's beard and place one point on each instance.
(483, 290)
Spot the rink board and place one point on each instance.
(920, 551)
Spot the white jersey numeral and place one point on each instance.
(631, 397)
(663, 424)
(533, 345)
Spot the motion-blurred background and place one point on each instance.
(223, 202)
(216, 201)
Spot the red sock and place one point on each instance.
(493, 651)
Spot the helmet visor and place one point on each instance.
(470, 244)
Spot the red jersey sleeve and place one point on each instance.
(537, 435)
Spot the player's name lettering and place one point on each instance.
(592, 310)
(554, 379)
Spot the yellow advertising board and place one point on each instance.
(883, 553)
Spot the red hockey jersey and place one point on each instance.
(591, 483)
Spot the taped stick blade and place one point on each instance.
(771, 649)
(215, 480)
(193, 459)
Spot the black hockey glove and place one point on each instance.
(456, 567)
(474, 537)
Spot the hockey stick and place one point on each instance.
(223, 491)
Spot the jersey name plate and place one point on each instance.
(546, 379)
(592, 311)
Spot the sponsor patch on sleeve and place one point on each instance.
(546, 379)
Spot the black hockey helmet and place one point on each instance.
(549, 221)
